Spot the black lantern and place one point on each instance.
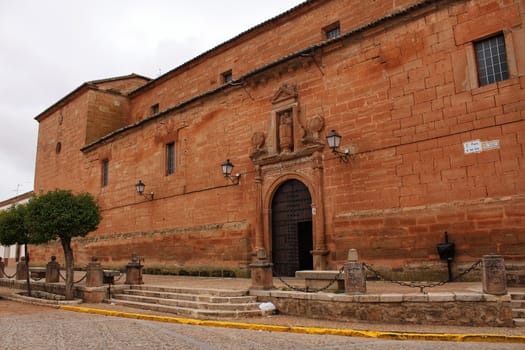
(227, 168)
(334, 141)
(140, 186)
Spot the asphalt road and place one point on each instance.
(33, 327)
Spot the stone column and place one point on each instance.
(94, 273)
(259, 227)
(319, 252)
(2, 269)
(494, 277)
(355, 274)
(134, 270)
(53, 271)
(21, 270)
(261, 271)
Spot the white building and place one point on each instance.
(10, 254)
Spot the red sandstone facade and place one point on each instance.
(399, 83)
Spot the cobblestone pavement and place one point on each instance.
(33, 327)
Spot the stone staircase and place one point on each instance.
(518, 308)
(190, 302)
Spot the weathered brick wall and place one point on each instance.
(263, 45)
(67, 126)
(394, 93)
(106, 113)
(123, 85)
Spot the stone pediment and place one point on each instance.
(286, 92)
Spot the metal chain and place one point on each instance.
(307, 289)
(6, 275)
(118, 278)
(80, 280)
(421, 286)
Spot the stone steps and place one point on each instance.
(518, 308)
(190, 302)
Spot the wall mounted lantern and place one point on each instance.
(334, 141)
(227, 168)
(140, 186)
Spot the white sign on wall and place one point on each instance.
(476, 146)
(472, 146)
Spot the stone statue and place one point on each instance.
(285, 132)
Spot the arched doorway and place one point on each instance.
(292, 228)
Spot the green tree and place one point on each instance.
(62, 215)
(13, 231)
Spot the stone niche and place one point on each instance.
(287, 137)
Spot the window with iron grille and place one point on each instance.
(492, 60)
(227, 77)
(105, 172)
(155, 108)
(332, 31)
(170, 158)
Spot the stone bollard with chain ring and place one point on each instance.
(21, 270)
(94, 273)
(53, 271)
(134, 270)
(494, 276)
(355, 274)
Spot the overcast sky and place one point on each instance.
(49, 48)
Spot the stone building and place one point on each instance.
(428, 97)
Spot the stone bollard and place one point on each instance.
(53, 271)
(355, 274)
(134, 270)
(494, 277)
(21, 269)
(261, 271)
(94, 273)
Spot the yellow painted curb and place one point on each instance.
(493, 338)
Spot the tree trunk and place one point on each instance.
(28, 278)
(68, 254)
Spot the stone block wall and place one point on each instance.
(401, 92)
(454, 309)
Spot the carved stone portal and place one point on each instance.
(287, 150)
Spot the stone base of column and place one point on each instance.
(319, 259)
(355, 278)
(262, 277)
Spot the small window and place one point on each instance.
(332, 31)
(227, 77)
(170, 158)
(58, 147)
(105, 172)
(492, 60)
(155, 108)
